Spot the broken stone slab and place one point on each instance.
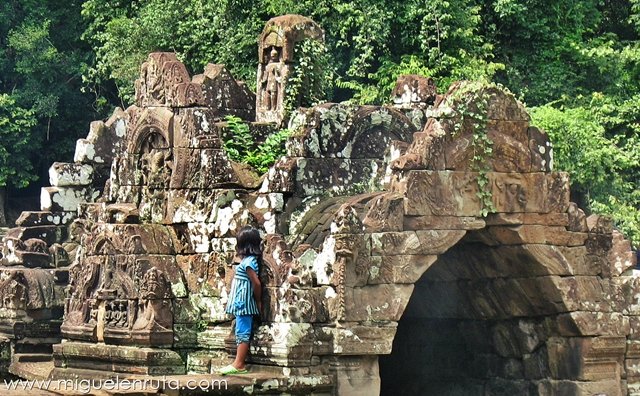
(221, 92)
(345, 131)
(103, 140)
(510, 146)
(65, 199)
(196, 128)
(413, 91)
(62, 174)
(577, 219)
(45, 218)
(600, 224)
(335, 176)
(30, 289)
(117, 358)
(541, 150)
(414, 242)
(426, 150)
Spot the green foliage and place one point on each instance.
(16, 127)
(470, 103)
(41, 62)
(311, 80)
(604, 168)
(241, 146)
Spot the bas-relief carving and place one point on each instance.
(272, 81)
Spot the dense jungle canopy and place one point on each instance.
(575, 63)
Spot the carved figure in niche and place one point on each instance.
(272, 80)
(93, 313)
(154, 305)
(108, 313)
(117, 316)
(13, 292)
(121, 316)
(155, 161)
(153, 81)
(513, 197)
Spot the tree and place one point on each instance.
(16, 128)
(41, 64)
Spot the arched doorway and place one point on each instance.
(501, 320)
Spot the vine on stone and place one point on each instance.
(311, 79)
(471, 105)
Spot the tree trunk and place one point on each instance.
(3, 199)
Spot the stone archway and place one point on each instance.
(506, 319)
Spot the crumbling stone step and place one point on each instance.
(31, 357)
(33, 370)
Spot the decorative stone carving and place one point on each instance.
(276, 62)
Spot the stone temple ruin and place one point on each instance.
(380, 274)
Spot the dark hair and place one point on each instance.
(248, 242)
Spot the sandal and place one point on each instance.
(232, 370)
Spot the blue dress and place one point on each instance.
(241, 300)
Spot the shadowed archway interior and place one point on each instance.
(482, 320)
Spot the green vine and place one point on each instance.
(311, 79)
(241, 146)
(471, 103)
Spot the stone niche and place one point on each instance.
(276, 62)
(375, 244)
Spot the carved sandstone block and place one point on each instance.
(399, 269)
(384, 302)
(442, 223)
(385, 214)
(455, 193)
(65, 199)
(353, 338)
(27, 219)
(414, 242)
(536, 234)
(63, 174)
